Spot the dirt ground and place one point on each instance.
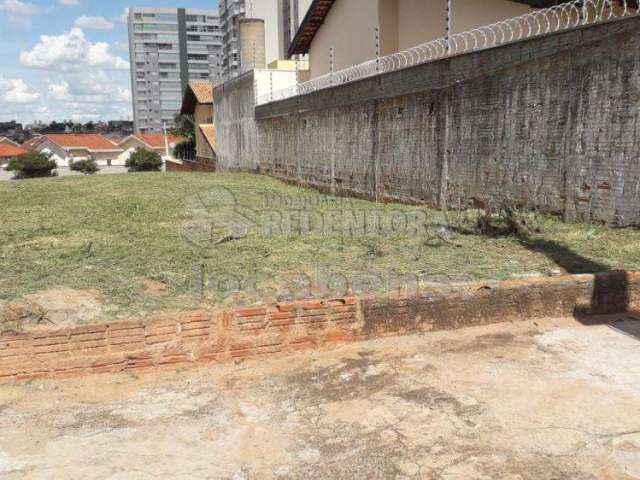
(551, 399)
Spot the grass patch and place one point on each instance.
(149, 241)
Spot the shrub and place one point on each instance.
(143, 160)
(88, 166)
(32, 165)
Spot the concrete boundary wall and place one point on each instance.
(289, 327)
(551, 123)
(234, 118)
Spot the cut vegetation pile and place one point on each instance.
(119, 246)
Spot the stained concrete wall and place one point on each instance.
(236, 130)
(552, 123)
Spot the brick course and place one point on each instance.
(284, 328)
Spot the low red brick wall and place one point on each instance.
(187, 166)
(251, 332)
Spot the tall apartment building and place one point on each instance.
(168, 47)
(231, 11)
(291, 13)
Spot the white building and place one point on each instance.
(67, 148)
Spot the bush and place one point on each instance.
(88, 166)
(143, 160)
(32, 165)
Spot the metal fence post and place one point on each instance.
(331, 59)
(377, 48)
(448, 27)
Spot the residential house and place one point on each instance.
(149, 141)
(32, 142)
(198, 103)
(66, 148)
(9, 151)
(8, 141)
(349, 26)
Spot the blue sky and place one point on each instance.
(67, 59)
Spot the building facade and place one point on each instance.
(281, 21)
(341, 33)
(168, 47)
(68, 148)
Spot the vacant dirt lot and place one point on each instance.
(546, 400)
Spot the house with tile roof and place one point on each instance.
(8, 141)
(198, 103)
(149, 141)
(9, 151)
(32, 142)
(67, 148)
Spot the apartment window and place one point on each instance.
(195, 56)
(198, 66)
(175, 85)
(168, 66)
(168, 57)
(193, 38)
(155, 26)
(166, 37)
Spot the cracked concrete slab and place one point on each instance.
(535, 400)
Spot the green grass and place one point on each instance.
(114, 234)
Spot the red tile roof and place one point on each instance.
(9, 151)
(32, 142)
(90, 141)
(209, 132)
(203, 90)
(156, 140)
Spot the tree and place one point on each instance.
(32, 165)
(88, 166)
(143, 160)
(184, 127)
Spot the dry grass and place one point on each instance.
(149, 242)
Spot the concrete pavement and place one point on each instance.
(533, 400)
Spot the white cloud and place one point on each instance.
(18, 7)
(124, 17)
(95, 23)
(69, 3)
(71, 51)
(95, 88)
(16, 90)
(119, 46)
